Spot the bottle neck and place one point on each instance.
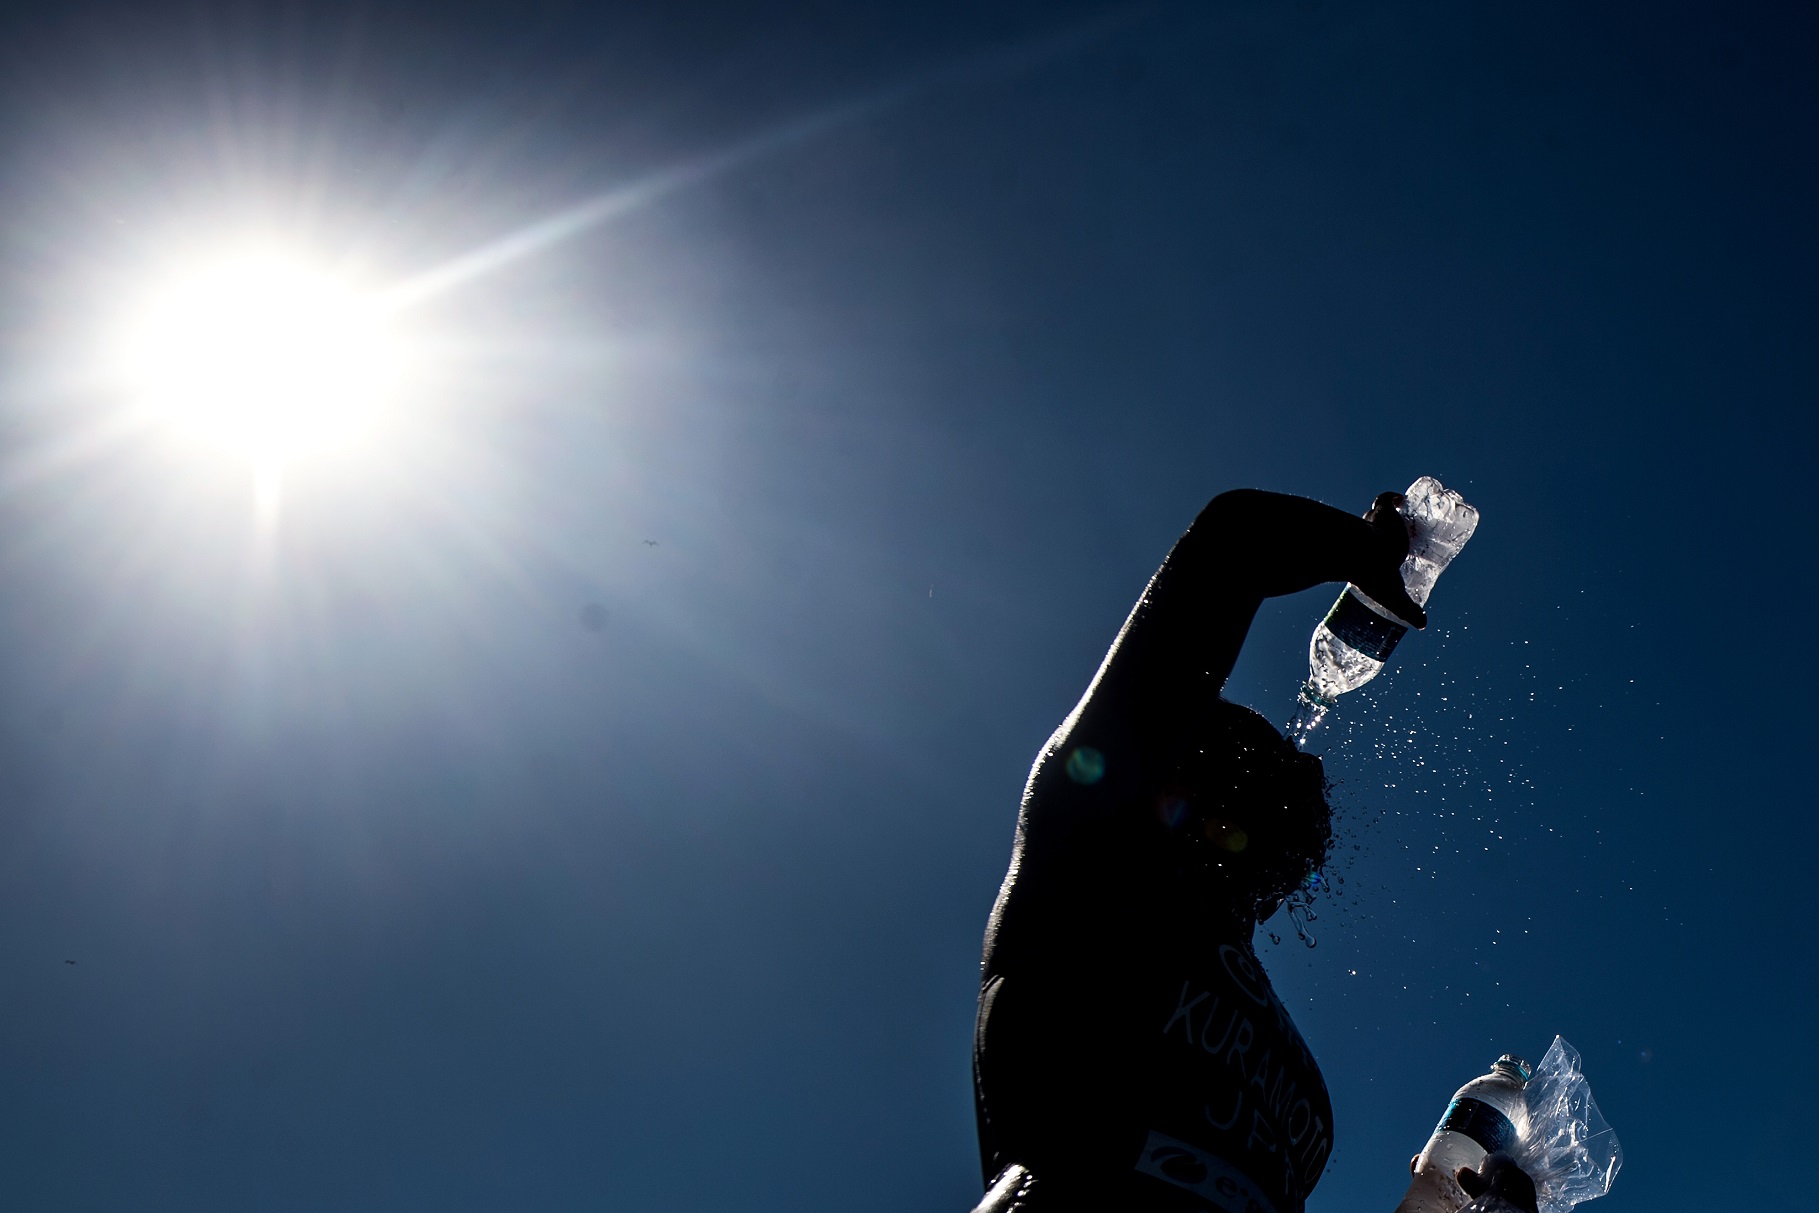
(1512, 1068)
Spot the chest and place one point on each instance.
(1233, 1077)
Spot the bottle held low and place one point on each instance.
(1528, 1139)
(1486, 1115)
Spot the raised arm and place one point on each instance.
(1180, 642)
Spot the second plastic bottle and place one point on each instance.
(1488, 1113)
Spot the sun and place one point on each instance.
(260, 354)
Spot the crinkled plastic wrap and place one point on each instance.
(1567, 1147)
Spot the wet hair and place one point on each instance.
(1255, 807)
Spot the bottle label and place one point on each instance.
(1480, 1122)
(1359, 627)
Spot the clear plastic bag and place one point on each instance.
(1567, 1147)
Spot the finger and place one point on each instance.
(1405, 606)
(1386, 503)
(1471, 1181)
(1392, 529)
(1391, 593)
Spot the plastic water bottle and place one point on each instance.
(1358, 635)
(1487, 1113)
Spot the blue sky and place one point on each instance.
(392, 885)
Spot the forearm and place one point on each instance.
(1271, 544)
(1184, 635)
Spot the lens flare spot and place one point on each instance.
(1226, 834)
(1086, 765)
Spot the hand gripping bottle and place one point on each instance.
(1351, 644)
(1487, 1114)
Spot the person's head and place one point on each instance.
(1255, 807)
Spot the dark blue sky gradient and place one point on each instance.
(393, 886)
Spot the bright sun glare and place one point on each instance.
(261, 355)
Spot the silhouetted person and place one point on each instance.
(1130, 1054)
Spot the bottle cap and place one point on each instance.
(1509, 1061)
